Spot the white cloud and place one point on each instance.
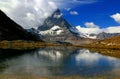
(28, 13)
(72, 3)
(67, 9)
(116, 17)
(97, 29)
(90, 25)
(73, 12)
(87, 57)
(112, 29)
(88, 30)
(32, 13)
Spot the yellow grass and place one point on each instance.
(36, 44)
(53, 77)
(25, 44)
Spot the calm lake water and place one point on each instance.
(58, 61)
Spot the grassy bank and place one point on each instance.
(54, 77)
(99, 46)
(36, 44)
(25, 44)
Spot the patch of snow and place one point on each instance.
(73, 29)
(92, 37)
(55, 30)
(82, 35)
(59, 32)
(57, 16)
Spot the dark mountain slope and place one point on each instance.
(9, 30)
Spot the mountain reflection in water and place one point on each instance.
(60, 62)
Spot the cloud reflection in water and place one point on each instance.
(51, 62)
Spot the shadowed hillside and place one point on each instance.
(9, 30)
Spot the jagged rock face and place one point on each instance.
(104, 35)
(9, 30)
(54, 19)
(56, 27)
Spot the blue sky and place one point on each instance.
(98, 12)
(89, 16)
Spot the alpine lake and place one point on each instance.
(59, 63)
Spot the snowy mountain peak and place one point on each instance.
(56, 23)
(56, 29)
